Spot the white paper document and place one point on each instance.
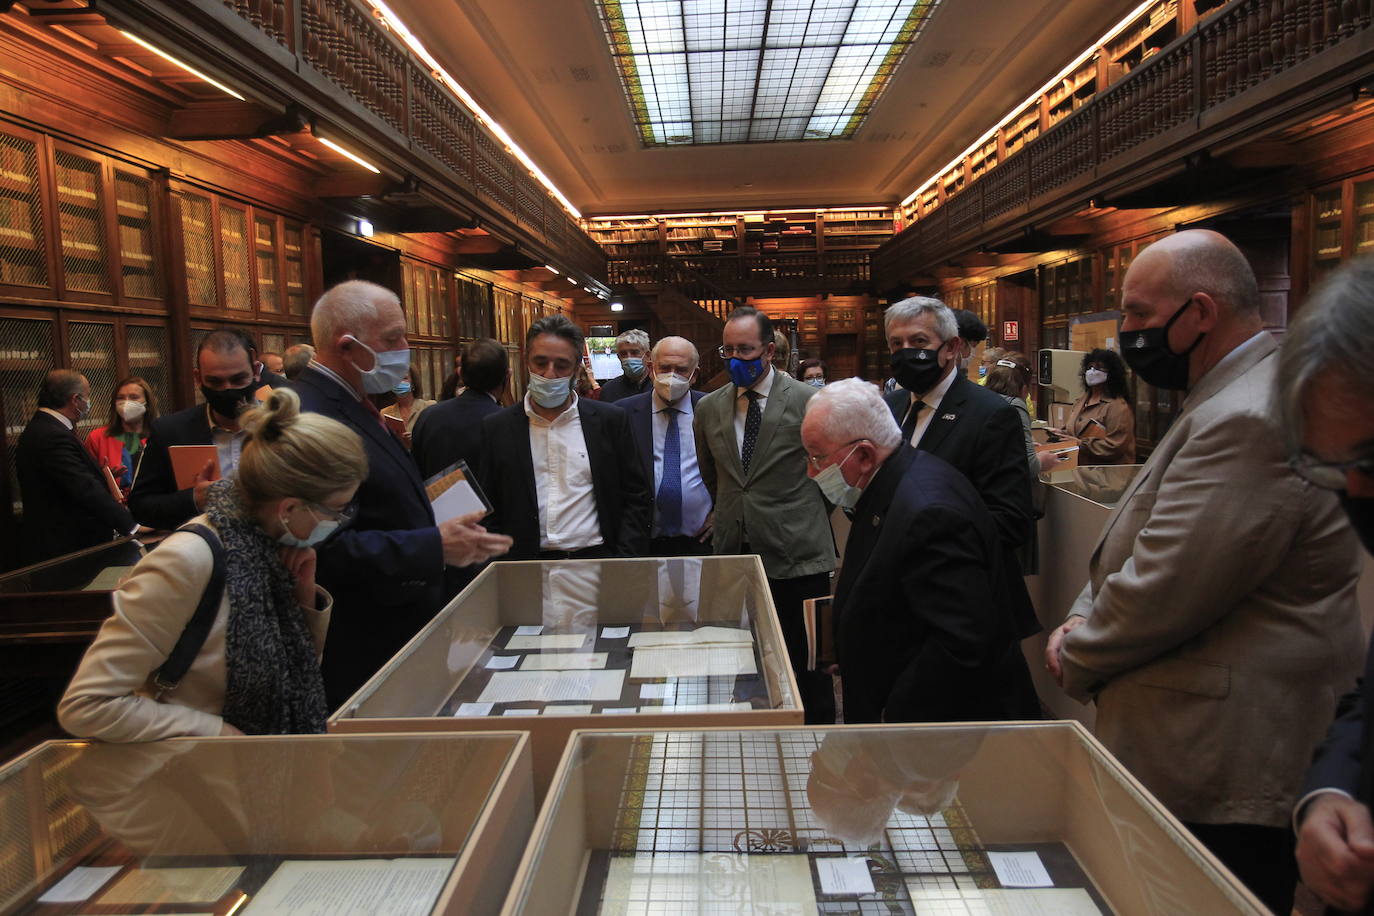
(657, 691)
(553, 686)
(458, 500)
(1001, 902)
(521, 712)
(844, 876)
(564, 661)
(614, 632)
(79, 884)
(172, 885)
(569, 709)
(503, 662)
(695, 661)
(700, 707)
(701, 636)
(529, 630)
(710, 882)
(474, 709)
(558, 641)
(352, 887)
(619, 710)
(1020, 869)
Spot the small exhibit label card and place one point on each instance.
(844, 877)
(1020, 869)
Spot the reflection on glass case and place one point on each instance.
(551, 646)
(1003, 819)
(308, 825)
(1102, 484)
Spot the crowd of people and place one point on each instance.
(1216, 631)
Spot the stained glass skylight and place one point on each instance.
(756, 71)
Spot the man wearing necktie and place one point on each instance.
(661, 423)
(748, 444)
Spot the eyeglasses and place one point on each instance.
(342, 516)
(815, 460)
(1329, 475)
(741, 352)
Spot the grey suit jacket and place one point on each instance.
(1222, 622)
(775, 507)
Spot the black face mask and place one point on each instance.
(1147, 352)
(1360, 511)
(917, 371)
(227, 402)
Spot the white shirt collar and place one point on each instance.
(684, 403)
(569, 411)
(66, 420)
(763, 385)
(934, 396)
(330, 373)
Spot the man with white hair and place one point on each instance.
(632, 348)
(385, 568)
(923, 628)
(1219, 622)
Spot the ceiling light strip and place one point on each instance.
(394, 23)
(1111, 33)
(349, 155)
(182, 64)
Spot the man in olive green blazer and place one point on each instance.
(769, 507)
(1219, 623)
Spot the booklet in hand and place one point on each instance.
(454, 492)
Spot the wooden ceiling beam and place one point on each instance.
(231, 120)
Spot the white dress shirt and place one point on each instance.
(696, 501)
(932, 400)
(563, 480)
(228, 444)
(62, 418)
(763, 386)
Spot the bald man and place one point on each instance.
(385, 569)
(1219, 622)
(682, 504)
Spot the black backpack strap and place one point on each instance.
(192, 638)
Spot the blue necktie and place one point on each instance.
(670, 486)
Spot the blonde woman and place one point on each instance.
(256, 669)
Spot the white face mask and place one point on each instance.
(390, 367)
(1095, 377)
(131, 410)
(670, 386)
(549, 392)
(324, 527)
(835, 488)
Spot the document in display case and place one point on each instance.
(552, 646)
(403, 825)
(927, 819)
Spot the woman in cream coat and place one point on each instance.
(258, 670)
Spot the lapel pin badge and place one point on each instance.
(948, 416)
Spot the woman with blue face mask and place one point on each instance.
(256, 670)
(408, 404)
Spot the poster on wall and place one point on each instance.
(1098, 330)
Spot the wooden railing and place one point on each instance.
(1241, 66)
(758, 274)
(337, 59)
(689, 304)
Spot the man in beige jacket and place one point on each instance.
(1219, 622)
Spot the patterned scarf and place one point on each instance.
(273, 684)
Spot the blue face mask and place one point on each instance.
(835, 488)
(745, 372)
(549, 392)
(633, 367)
(816, 382)
(324, 527)
(391, 366)
(401, 389)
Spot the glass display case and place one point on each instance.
(1099, 484)
(551, 646)
(998, 819)
(394, 824)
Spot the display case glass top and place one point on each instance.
(593, 637)
(97, 569)
(1101, 484)
(1005, 819)
(302, 824)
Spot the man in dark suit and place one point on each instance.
(451, 430)
(661, 423)
(561, 471)
(385, 570)
(631, 348)
(1325, 393)
(67, 503)
(942, 412)
(924, 629)
(228, 377)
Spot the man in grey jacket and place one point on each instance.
(1219, 623)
